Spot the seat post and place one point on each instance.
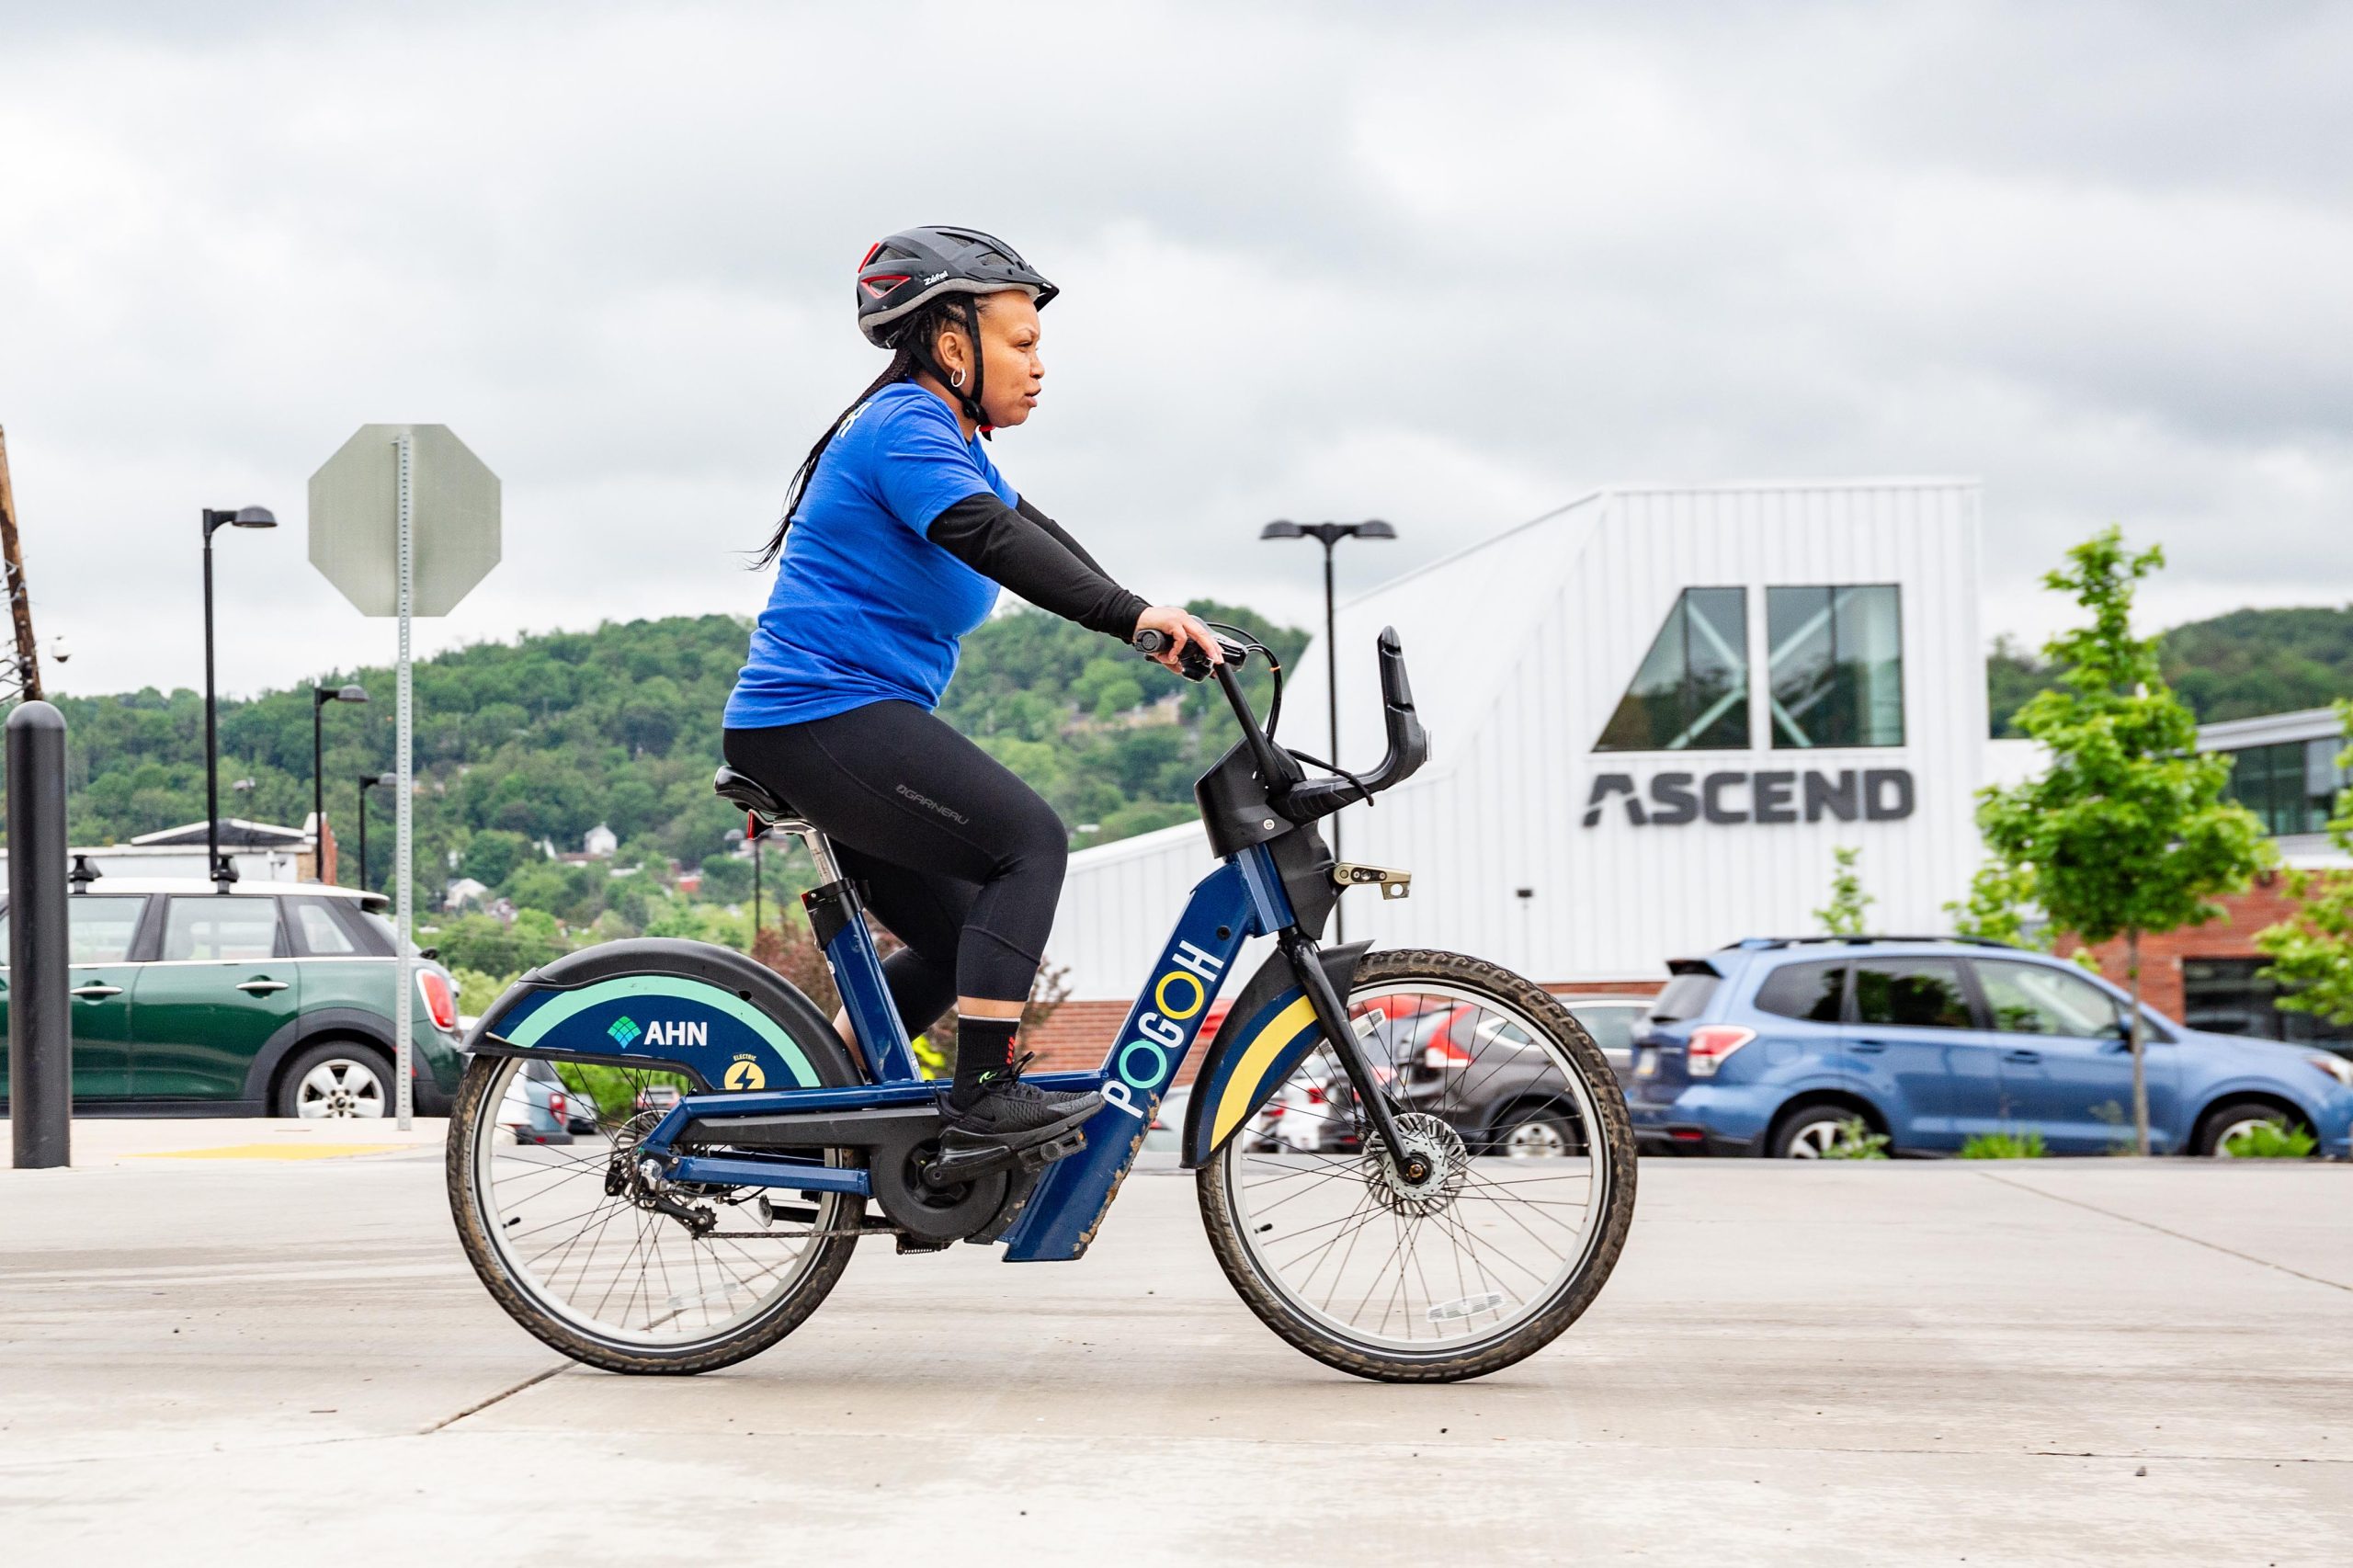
(820, 850)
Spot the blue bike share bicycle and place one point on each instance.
(1413, 1166)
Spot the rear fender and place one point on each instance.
(1269, 1030)
(707, 1012)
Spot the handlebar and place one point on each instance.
(1194, 664)
(1297, 797)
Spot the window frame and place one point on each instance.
(2119, 1009)
(281, 945)
(1773, 738)
(1845, 964)
(1972, 999)
(1744, 701)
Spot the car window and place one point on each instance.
(2032, 998)
(1810, 990)
(1686, 997)
(317, 933)
(218, 928)
(1921, 994)
(98, 929)
(1612, 1028)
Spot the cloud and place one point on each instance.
(1448, 267)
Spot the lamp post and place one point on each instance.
(369, 781)
(320, 696)
(1329, 535)
(242, 517)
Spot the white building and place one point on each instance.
(1653, 713)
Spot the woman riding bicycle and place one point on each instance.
(897, 532)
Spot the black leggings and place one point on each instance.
(960, 859)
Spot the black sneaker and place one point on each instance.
(1014, 1115)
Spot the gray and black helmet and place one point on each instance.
(917, 265)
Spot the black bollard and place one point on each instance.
(40, 1031)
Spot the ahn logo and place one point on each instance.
(625, 1033)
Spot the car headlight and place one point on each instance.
(2335, 1067)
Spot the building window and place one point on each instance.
(2232, 996)
(2291, 786)
(1691, 693)
(1837, 669)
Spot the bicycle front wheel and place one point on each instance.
(1510, 1238)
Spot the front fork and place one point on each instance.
(1331, 1013)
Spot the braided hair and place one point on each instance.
(911, 350)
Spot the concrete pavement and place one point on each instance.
(2095, 1361)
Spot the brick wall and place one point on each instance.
(2231, 937)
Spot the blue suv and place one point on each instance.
(1767, 1046)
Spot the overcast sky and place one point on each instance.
(1448, 265)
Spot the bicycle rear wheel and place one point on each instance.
(1507, 1242)
(576, 1252)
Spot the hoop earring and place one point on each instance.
(957, 381)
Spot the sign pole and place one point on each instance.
(405, 913)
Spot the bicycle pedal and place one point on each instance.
(1038, 1156)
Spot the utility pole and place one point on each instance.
(20, 674)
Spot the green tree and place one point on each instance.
(2125, 833)
(491, 856)
(1845, 914)
(2312, 955)
(1996, 911)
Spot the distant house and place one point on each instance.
(465, 891)
(599, 842)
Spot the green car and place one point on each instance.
(273, 1000)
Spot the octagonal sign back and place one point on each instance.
(454, 521)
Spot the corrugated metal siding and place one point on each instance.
(1518, 658)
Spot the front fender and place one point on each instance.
(1267, 1031)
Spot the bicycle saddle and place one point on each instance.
(748, 793)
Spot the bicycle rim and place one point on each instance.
(1492, 1243)
(602, 1265)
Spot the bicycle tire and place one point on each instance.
(474, 1130)
(1235, 1227)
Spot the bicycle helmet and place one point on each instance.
(902, 272)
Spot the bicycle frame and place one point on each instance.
(1244, 897)
(1274, 877)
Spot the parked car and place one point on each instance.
(1612, 1021)
(537, 1107)
(1767, 1046)
(273, 999)
(657, 1097)
(579, 1109)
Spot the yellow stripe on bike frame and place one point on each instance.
(1256, 1057)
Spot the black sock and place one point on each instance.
(984, 1048)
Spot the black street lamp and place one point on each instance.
(224, 873)
(1331, 534)
(320, 696)
(750, 837)
(369, 781)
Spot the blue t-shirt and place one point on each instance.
(865, 608)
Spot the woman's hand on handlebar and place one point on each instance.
(1178, 629)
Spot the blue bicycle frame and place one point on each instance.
(1243, 898)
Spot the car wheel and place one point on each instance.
(1811, 1134)
(335, 1080)
(2225, 1122)
(1537, 1135)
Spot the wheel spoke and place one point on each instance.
(1468, 1254)
(613, 1266)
